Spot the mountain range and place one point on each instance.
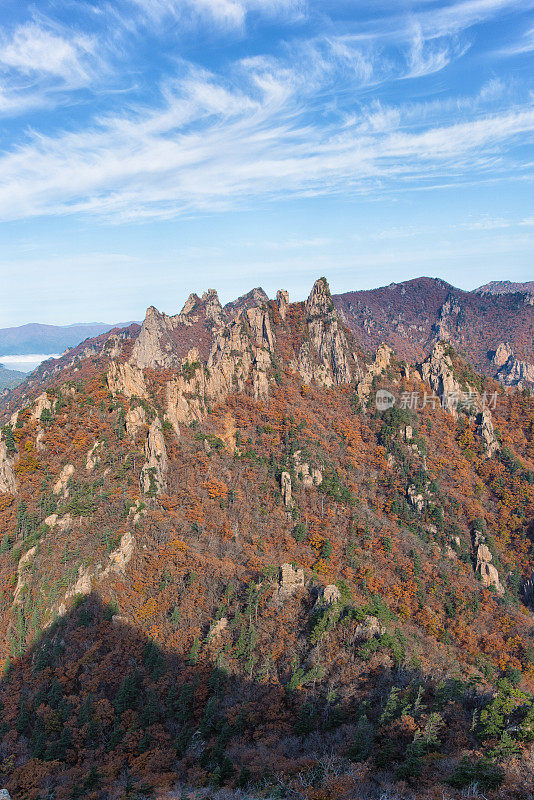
(37, 338)
(274, 549)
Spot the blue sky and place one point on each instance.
(150, 148)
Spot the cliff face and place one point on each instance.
(241, 353)
(222, 558)
(328, 342)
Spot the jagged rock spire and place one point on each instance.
(213, 308)
(282, 301)
(319, 300)
(327, 339)
(147, 350)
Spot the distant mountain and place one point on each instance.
(505, 287)
(411, 316)
(10, 377)
(38, 338)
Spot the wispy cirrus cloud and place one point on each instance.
(212, 143)
(34, 50)
(228, 13)
(307, 119)
(426, 57)
(522, 45)
(41, 63)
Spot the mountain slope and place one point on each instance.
(413, 315)
(10, 377)
(223, 567)
(505, 287)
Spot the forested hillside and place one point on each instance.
(489, 327)
(226, 565)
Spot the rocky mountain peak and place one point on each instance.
(190, 304)
(212, 306)
(319, 300)
(506, 287)
(148, 350)
(282, 301)
(256, 297)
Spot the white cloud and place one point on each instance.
(451, 18)
(227, 13)
(32, 49)
(497, 223)
(210, 144)
(426, 57)
(525, 44)
(301, 122)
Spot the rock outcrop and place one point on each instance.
(216, 630)
(378, 367)
(83, 586)
(154, 471)
(437, 370)
(63, 523)
(447, 323)
(260, 327)
(163, 340)
(7, 472)
(120, 558)
(282, 301)
(502, 354)
(89, 576)
(240, 350)
(152, 347)
(185, 396)
(368, 629)
(42, 403)
(486, 571)
(329, 595)
(514, 372)
(114, 344)
(327, 345)
(290, 579)
(60, 486)
(415, 499)
(218, 351)
(485, 430)
(256, 297)
(40, 441)
(308, 475)
(135, 421)
(213, 308)
(285, 488)
(126, 379)
(93, 457)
